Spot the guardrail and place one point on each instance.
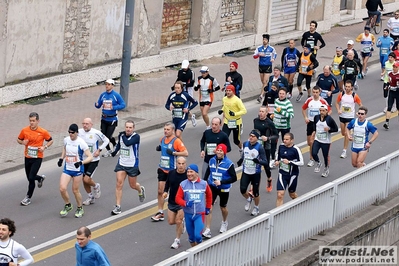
(266, 236)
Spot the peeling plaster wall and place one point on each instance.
(106, 33)
(211, 13)
(3, 39)
(150, 22)
(34, 38)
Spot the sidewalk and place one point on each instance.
(147, 98)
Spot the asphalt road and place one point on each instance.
(131, 238)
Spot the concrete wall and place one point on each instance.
(60, 45)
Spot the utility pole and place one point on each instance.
(127, 50)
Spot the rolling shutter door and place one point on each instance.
(283, 16)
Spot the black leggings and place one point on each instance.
(325, 148)
(236, 133)
(32, 166)
(108, 128)
(392, 96)
(307, 78)
(267, 167)
(246, 179)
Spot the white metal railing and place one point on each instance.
(266, 236)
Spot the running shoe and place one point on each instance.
(26, 201)
(97, 191)
(259, 99)
(223, 227)
(175, 244)
(142, 194)
(271, 164)
(343, 154)
(194, 122)
(207, 233)
(317, 168)
(386, 125)
(67, 208)
(255, 211)
(159, 216)
(89, 200)
(310, 163)
(107, 154)
(299, 97)
(117, 210)
(79, 212)
(326, 172)
(289, 96)
(40, 182)
(269, 186)
(248, 204)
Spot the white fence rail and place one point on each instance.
(257, 241)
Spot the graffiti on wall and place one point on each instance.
(232, 8)
(171, 14)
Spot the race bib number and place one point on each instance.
(324, 94)
(335, 66)
(321, 135)
(313, 112)
(366, 50)
(195, 195)
(384, 51)
(303, 69)
(204, 92)
(217, 176)
(125, 152)
(285, 167)
(33, 151)
(107, 104)
(396, 30)
(260, 141)
(346, 109)
(210, 148)
(350, 70)
(232, 123)
(164, 162)
(178, 113)
(249, 164)
(91, 148)
(291, 63)
(71, 159)
(311, 43)
(358, 139)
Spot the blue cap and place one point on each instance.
(193, 167)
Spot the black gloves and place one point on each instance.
(169, 151)
(210, 90)
(196, 88)
(78, 164)
(220, 111)
(59, 163)
(255, 160)
(239, 163)
(113, 153)
(232, 113)
(158, 148)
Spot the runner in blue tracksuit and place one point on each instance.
(195, 196)
(289, 159)
(220, 176)
(385, 43)
(88, 252)
(180, 103)
(110, 101)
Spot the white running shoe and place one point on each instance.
(176, 244)
(343, 154)
(107, 154)
(207, 233)
(89, 200)
(255, 211)
(248, 204)
(271, 164)
(223, 227)
(193, 120)
(310, 163)
(317, 168)
(96, 191)
(326, 172)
